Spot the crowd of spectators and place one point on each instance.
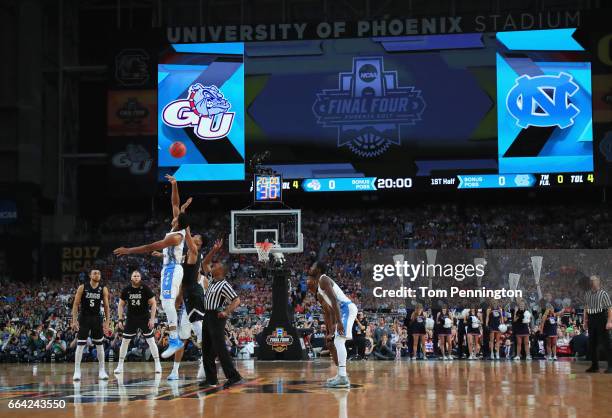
(35, 316)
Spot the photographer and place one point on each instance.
(56, 348)
(317, 341)
(359, 339)
(402, 344)
(383, 349)
(35, 348)
(11, 350)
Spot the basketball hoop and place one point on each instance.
(263, 250)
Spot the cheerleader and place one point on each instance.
(493, 319)
(473, 320)
(567, 314)
(520, 328)
(445, 326)
(548, 327)
(417, 325)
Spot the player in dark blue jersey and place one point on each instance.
(89, 321)
(141, 311)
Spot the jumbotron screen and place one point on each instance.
(462, 111)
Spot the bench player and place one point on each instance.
(141, 310)
(340, 313)
(172, 271)
(88, 321)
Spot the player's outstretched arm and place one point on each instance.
(175, 199)
(206, 263)
(169, 241)
(185, 205)
(192, 249)
(75, 307)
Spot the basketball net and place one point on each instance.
(263, 250)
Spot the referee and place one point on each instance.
(598, 320)
(220, 301)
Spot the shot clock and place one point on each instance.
(268, 188)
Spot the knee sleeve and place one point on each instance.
(170, 310)
(340, 344)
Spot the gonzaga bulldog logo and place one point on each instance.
(205, 109)
(368, 107)
(543, 101)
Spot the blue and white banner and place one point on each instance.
(543, 104)
(201, 112)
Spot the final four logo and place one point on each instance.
(543, 101)
(205, 109)
(368, 107)
(279, 340)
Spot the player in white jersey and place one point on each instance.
(190, 302)
(172, 271)
(340, 313)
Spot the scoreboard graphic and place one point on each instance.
(201, 112)
(454, 111)
(543, 103)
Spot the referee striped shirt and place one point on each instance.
(596, 302)
(219, 293)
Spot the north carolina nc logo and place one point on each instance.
(205, 109)
(543, 101)
(368, 107)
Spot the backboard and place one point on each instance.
(282, 226)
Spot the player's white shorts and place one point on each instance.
(184, 330)
(348, 313)
(171, 279)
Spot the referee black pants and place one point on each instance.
(213, 345)
(598, 335)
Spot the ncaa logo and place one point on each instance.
(368, 108)
(543, 101)
(205, 108)
(368, 73)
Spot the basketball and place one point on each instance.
(178, 149)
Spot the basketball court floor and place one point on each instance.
(293, 389)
